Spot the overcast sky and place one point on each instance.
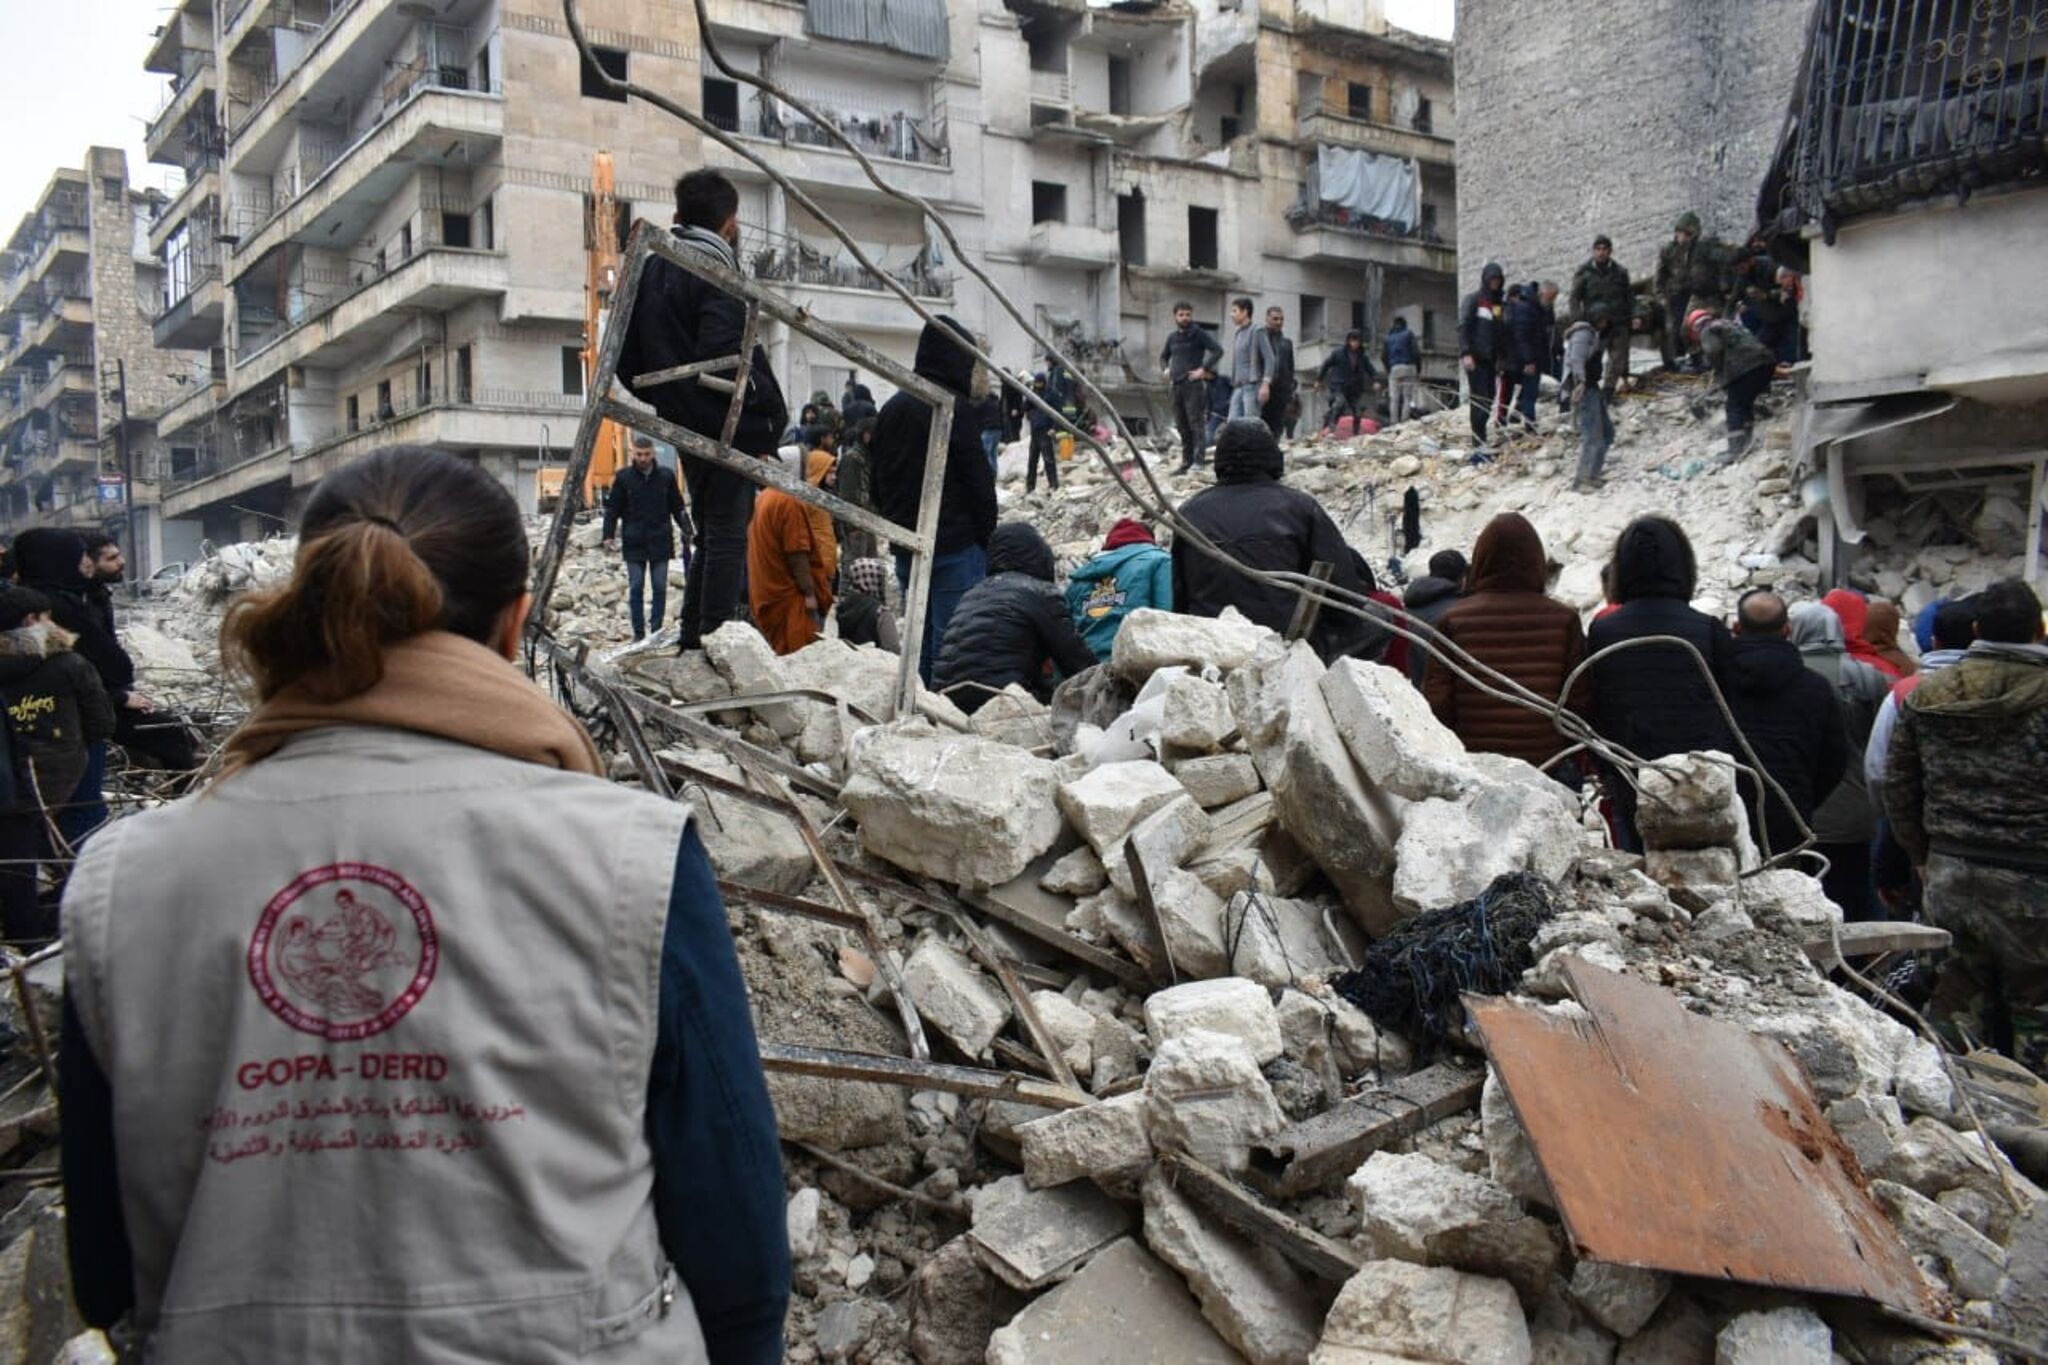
(71, 77)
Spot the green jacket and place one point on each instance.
(1733, 351)
(1965, 771)
(1593, 285)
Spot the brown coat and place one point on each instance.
(1508, 624)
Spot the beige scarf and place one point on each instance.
(436, 684)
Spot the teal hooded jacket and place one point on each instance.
(1114, 584)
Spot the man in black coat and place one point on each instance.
(1188, 360)
(1483, 344)
(967, 498)
(1260, 521)
(679, 318)
(1789, 715)
(1011, 625)
(1276, 363)
(1652, 699)
(644, 502)
(150, 733)
(1429, 599)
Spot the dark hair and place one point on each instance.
(1604, 240)
(1760, 612)
(1183, 304)
(706, 199)
(406, 540)
(1449, 564)
(2008, 613)
(1955, 623)
(17, 604)
(95, 541)
(1241, 302)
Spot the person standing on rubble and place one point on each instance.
(1602, 279)
(791, 557)
(643, 503)
(480, 1085)
(1964, 792)
(1042, 452)
(1188, 360)
(1742, 367)
(1276, 370)
(1845, 820)
(1789, 715)
(1653, 699)
(854, 485)
(1483, 346)
(1673, 284)
(1246, 370)
(1130, 572)
(1529, 351)
(1343, 377)
(1012, 627)
(1585, 356)
(1952, 629)
(967, 499)
(1402, 352)
(1259, 521)
(1507, 623)
(678, 319)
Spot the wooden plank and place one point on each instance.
(1240, 1210)
(1684, 1144)
(1327, 1148)
(977, 1082)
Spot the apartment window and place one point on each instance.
(722, 104)
(455, 229)
(1228, 128)
(355, 413)
(611, 61)
(378, 262)
(463, 376)
(1423, 115)
(572, 371)
(110, 188)
(1358, 99)
(487, 213)
(1130, 228)
(1048, 202)
(1311, 316)
(1429, 326)
(1119, 85)
(423, 382)
(483, 68)
(405, 242)
(1358, 317)
(384, 409)
(1202, 251)
(1047, 47)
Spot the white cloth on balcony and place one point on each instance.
(1384, 187)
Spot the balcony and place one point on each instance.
(1072, 245)
(194, 401)
(67, 246)
(202, 187)
(65, 326)
(193, 321)
(70, 377)
(915, 146)
(213, 478)
(1327, 235)
(339, 327)
(163, 140)
(1328, 123)
(841, 292)
(497, 418)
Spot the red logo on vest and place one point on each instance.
(344, 952)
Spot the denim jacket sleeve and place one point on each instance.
(718, 1191)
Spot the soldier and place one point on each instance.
(1674, 282)
(1742, 368)
(1602, 279)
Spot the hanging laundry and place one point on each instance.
(1384, 187)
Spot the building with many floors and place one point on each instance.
(381, 233)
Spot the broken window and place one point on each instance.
(355, 418)
(1422, 115)
(110, 188)
(572, 371)
(1119, 85)
(1130, 227)
(455, 229)
(1228, 128)
(1047, 46)
(1311, 316)
(611, 61)
(722, 104)
(1202, 238)
(1048, 202)
(463, 376)
(1358, 99)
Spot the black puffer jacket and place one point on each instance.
(1790, 716)
(679, 318)
(1528, 331)
(967, 502)
(1010, 625)
(47, 560)
(56, 705)
(644, 510)
(1482, 320)
(1426, 599)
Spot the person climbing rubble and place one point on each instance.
(679, 319)
(967, 500)
(1187, 360)
(1012, 627)
(1131, 572)
(1586, 351)
(1789, 715)
(1845, 820)
(1964, 792)
(1690, 276)
(1344, 376)
(641, 505)
(790, 560)
(1507, 623)
(1604, 280)
(1742, 370)
(501, 1051)
(1484, 347)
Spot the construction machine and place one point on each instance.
(601, 244)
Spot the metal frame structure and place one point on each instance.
(602, 404)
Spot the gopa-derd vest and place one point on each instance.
(378, 1014)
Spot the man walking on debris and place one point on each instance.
(1789, 715)
(1042, 453)
(1276, 370)
(1585, 356)
(679, 319)
(1266, 525)
(1188, 360)
(1602, 279)
(1964, 791)
(644, 501)
(1403, 354)
(1529, 351)
(1246, 370)
(1742, 368)
(1845, 820)
(1344, 375)
(967, 499)
(1011, 626)
(1693, 273)
(1483, 346)
(1131, 572)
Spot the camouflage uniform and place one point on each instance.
(1696, 273)
(1965, 794)
(1593, 285)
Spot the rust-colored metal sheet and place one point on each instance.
(1679, 1143)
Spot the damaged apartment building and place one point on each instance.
(381, 234)
(78, 287)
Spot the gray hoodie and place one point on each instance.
(1847, 815)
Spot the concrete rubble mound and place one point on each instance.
(1148, 1128)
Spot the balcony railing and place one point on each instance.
(782, 259)
(877, 129)
(195, 63)
(316, 293)
(1052, 87)
(201, 274)
(212, 462)
(1943, 96)
(1306, 214)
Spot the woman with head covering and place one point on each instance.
(1846, 819)
(1854, 610)
(789, 544)
(413, 1037)
(863, 609)
(1881, 629)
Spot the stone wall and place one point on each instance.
(1577, 119)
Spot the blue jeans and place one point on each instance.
(86, 811)
(1244, 401)
(991, 446)
(1596, 433)
(638, 571)
(952, 575)
(1526, 386)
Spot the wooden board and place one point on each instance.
(1326, 1148)
(1679, 1143)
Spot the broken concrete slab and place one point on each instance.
(960, 808)
(1149, 640)
(1205, 1095)
(1400, 746)
(1072, 1029)
(1191, 919)
(1509, 1158)
(1231, 1006)
(1279, 942)
(1076, 874)
(955, 996)
(1216, 780)
(1793, 897)
(1164, 840)
(1123, 1308)
(955, 1304)
(1450, 851)
(747, 843)
(1013, 716)
(1197, 717)
(1106, 803)
(1106, 1142)
(1250, 1294)
(1420, 1209)
(1782, 1336)
(747, 661)
(1690, 801)
(1035, 1237)
(1561, 1334)
(1972, 1262)
(1395, 1310)
(1620, 1298)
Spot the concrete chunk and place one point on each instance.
(1072, 1029)
(1419, 1209)
(1075, 874)
(747, 661)
(1620, 1298)
(1399, 744)
(1124, 1308)
(1510, 1160)
(1164, 839)
(966, 810)
(1510, 819)
(1783, 1336)
(1106, 1142)
(1275, 941)
(1397, 1311)
(1197, 715)
(1191, 918)
(1973, 1262)
(1232, 1006)
(955, 997)
(1107, 802)
(1205, 1096)
(1150, 640)
(1249, 1293)
(1218, 779)
(1032, 1238)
